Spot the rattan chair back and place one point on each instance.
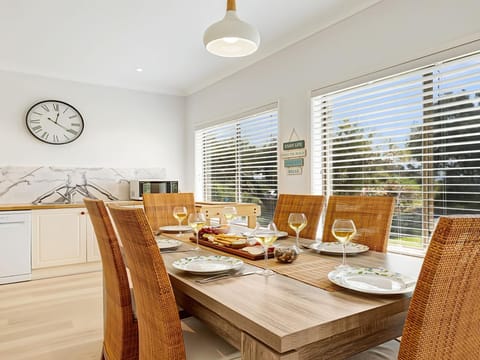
(443, 320)
(159, 207)
(160, 332)
(372, 216)
(310, 205)
(120, 326)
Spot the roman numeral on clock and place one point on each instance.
(45, 135)
(71, 131)
(45, 107)
(55, 138)
(55, 107)
(37, 128)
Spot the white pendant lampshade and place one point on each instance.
(231, 37)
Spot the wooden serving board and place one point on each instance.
(238, 252)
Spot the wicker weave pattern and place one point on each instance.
(159, 207)
(372, 216)
(120, 328)
(443, 320)
(310, 205)
(160, 333)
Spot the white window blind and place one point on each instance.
(415, 136)
(238, 161)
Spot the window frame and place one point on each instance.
(325, 186)
(235, 121)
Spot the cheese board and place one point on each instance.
(234, 251)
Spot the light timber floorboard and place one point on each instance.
(52, 319)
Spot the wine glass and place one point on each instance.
(343, 230)
(229, 212)
(196, 221)
(180, 213)
(297, 222)
(266, 236)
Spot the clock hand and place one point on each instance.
(63, 127)
(56, 120)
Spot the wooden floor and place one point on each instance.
(52, 319)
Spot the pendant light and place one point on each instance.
(231, 37)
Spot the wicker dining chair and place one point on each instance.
(372, 216)
(120, 340)
(161, 333)
(310, 205)
(443, 320)
(159, 207)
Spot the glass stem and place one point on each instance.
(344, 255)
(266, 257)
(297, 244)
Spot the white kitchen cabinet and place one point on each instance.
(93, 254)
(62, 237)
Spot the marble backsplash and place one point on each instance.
(50, 184)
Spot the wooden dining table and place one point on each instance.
(281, 317)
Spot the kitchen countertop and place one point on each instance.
(17, 207)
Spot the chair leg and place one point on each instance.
(183, 314)
(102, 355)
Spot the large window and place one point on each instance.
(415, 136)
(237, 161)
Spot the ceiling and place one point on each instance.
(105, 41)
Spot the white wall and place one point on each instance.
(123, 128)
(386, 34)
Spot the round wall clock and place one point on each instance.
(54, 122)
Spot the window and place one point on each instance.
(237, 161)
(415, 136)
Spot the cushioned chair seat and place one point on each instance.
(202, 344)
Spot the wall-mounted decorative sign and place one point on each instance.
(292, 145)
(294, 153)
(293, 162)
(294, 171)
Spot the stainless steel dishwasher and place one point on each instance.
(15, 246)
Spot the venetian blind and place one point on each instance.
(415, 136)
(238, 161)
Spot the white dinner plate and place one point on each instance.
(337, 249)
(175, 228)
(165, 244)
(280, 234)
(372, 281)
(204, 265)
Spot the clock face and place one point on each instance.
(54, 122)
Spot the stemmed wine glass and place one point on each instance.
(196, 221)
(343, 230)
(180, 213)
(297, 222)
(266, 236)
(229, 212)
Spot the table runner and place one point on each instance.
(309, 267)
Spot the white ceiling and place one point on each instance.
(104, 41)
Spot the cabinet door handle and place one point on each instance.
(82, 213)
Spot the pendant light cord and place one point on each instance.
(231, 6)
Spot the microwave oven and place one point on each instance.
(140, 187)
